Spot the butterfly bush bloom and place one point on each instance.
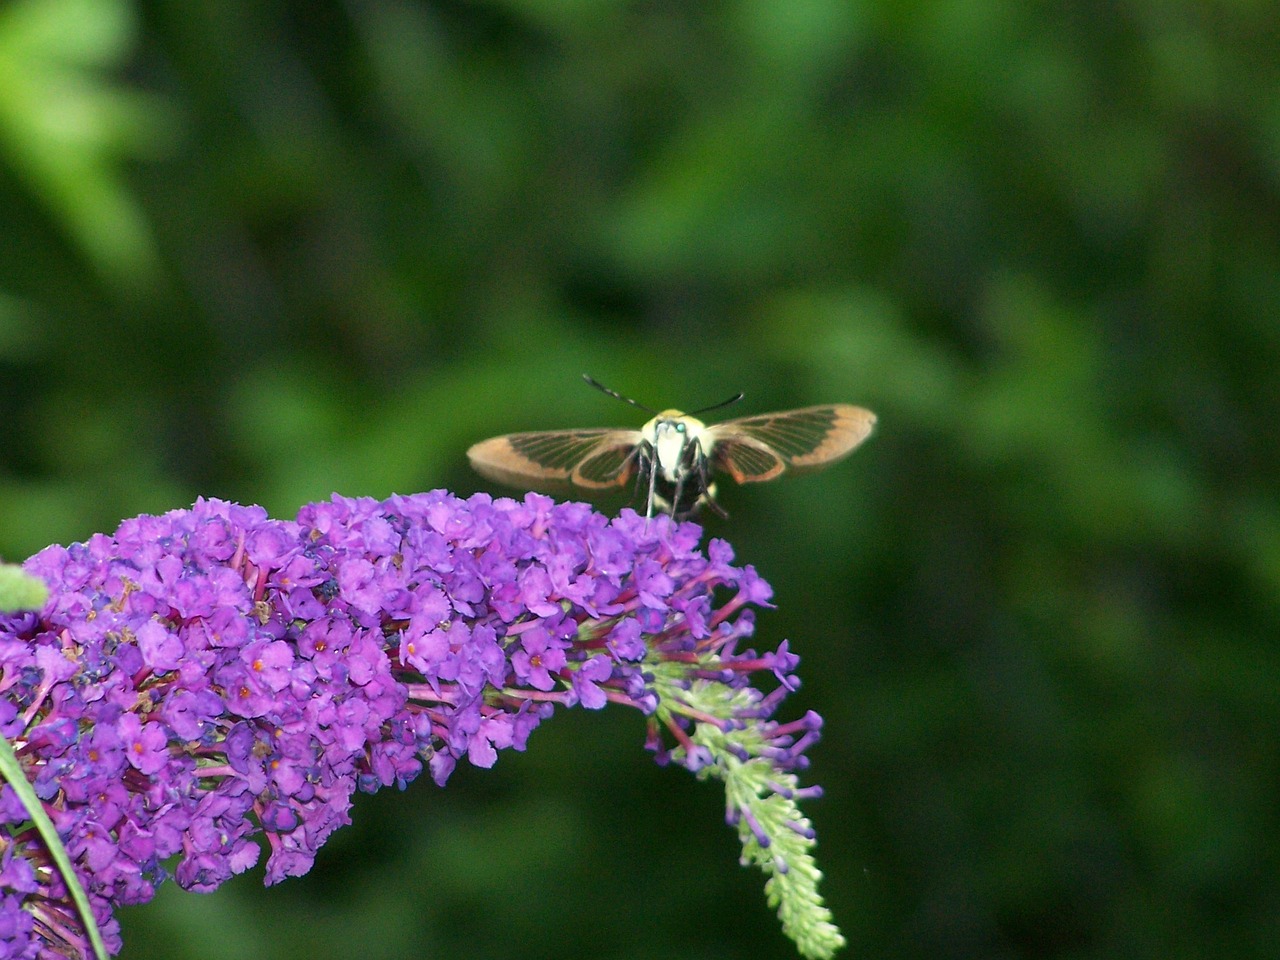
(208, 677)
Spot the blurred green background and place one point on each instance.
(267, 251)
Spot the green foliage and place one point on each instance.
(265, 251)
(19, 590)
(757, 791)
(66, 125)
(13, 774)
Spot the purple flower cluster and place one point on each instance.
(211, 674)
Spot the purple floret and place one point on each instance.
(212, 674)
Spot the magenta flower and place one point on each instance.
(212, 675)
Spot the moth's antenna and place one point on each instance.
(614, 393)
(716, 406)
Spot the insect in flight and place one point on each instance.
(675, 455)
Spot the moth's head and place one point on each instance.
(669, 434)
(672, 426)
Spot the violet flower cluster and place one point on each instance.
(209, 675)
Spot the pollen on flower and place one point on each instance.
(206, 676)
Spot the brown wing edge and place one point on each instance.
(851, 426)
(496, 459)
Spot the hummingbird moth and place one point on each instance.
(675, 454)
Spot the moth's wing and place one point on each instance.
(744, 458)
(751, 449)
(612, 462)
(593, 459)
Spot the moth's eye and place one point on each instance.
(679, 428)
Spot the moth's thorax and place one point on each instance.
(670, 434)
